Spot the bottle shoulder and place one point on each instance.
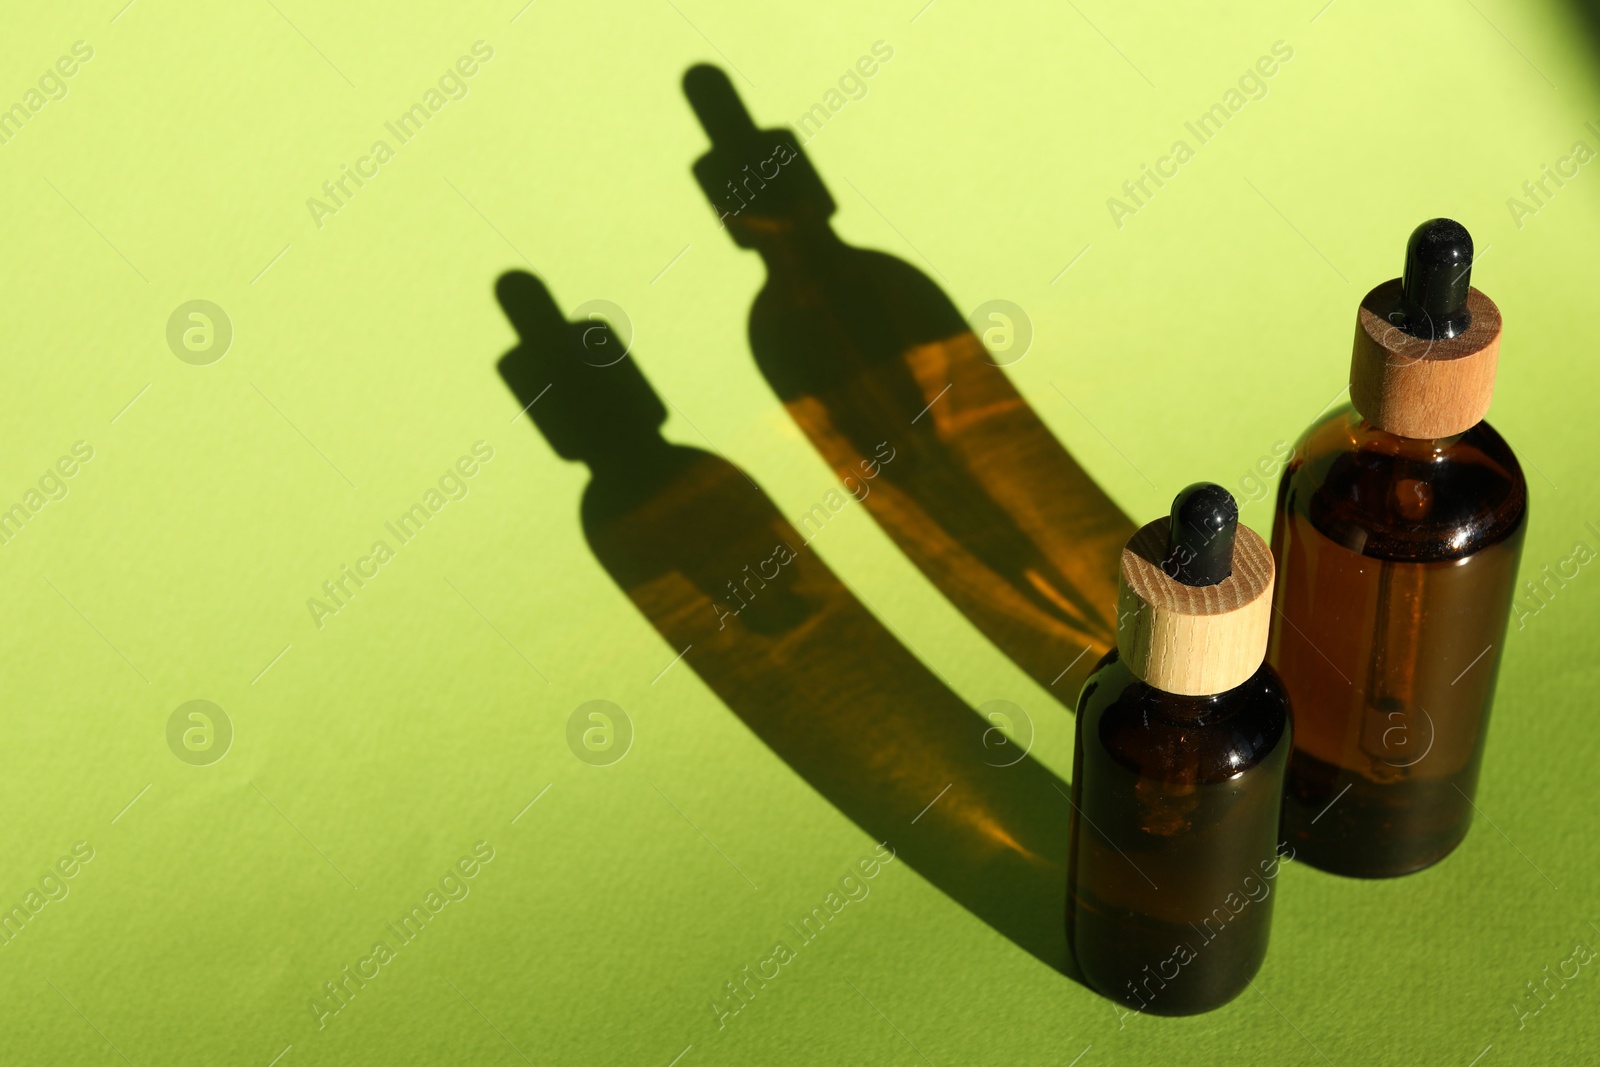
(1166, 737)
(1404, 499)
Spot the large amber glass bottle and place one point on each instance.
(1399, 527)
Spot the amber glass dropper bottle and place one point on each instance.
(1400, 522)
(1182, 740)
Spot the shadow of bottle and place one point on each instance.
(862, 347)
(707, 558)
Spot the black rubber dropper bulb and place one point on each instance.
(1200, 535)
(1437, 279)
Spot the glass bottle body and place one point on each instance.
(1174, 838)
(1397, 562)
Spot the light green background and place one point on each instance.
(424, 717)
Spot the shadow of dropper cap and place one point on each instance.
(588, 406)
(749, 174)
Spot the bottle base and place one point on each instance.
(1171, 1007)
(1341, 866)
(1157, 967)
(1344, 823)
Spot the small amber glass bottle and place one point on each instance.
(1400, 523)
(1183, 737)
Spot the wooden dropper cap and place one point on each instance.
(1195, 597)
(1427, 343)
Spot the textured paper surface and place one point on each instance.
(371, 754)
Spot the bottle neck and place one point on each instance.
(626, 454)
(1411, 448)
(790, 246)
(1174, 706)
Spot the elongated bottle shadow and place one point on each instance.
(862, 347)
(707, 558)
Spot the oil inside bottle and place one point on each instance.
(1174, 852)
(1397, 564)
